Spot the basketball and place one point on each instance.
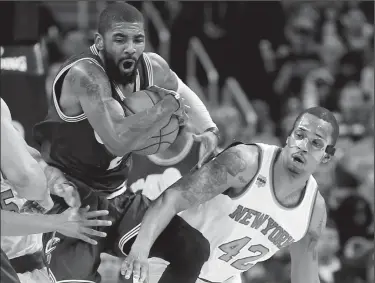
(145, 99)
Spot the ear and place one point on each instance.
(99, 41)
(326, 158)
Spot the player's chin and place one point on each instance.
(296, 169)
(127, 72)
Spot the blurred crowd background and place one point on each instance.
(255, 65)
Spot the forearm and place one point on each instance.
(16, 224)
(196, 187)
(133, 130)
(198, 113)
(157, 217)
(148, 123)
(38, 157)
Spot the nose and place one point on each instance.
(304, 145)
(130, 48)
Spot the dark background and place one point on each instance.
(279, 57)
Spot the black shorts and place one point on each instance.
(72, 259)
(8, 274)
(184, 247)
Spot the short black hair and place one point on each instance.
(118, 12)
(324, 114)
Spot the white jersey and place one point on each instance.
(16, 246)
(252, 227)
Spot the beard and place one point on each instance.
(113, 69)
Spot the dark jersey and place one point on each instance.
(71, 144)
(153, 175)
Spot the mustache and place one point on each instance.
(300, 155)
(134, 58)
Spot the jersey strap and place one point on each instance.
(150, 72)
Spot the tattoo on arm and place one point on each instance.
(146, 121)
(93, 90)
(208, 181)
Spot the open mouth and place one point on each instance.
(127, 64)
(298, 159)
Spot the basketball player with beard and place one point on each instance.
(22, 177)
(87, 136)
(249, 202)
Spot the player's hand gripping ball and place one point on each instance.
(145, 99)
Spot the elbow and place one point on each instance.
(31, 183)
(172, 201)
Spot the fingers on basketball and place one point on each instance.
(166, 136)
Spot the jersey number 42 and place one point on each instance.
(233, 248)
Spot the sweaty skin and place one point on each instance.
(90, 84)
(312, 135)
(86, 89)
(26, 176)
(292, 169)
(17, 165)
(230, 171)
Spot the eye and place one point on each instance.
(317, 143)
(118, 40)
(298, 135)
(139, 40)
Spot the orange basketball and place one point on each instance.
(145, 99)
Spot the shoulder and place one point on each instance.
(86, 70)
(163, 75)
(5, 112)
(158, 63)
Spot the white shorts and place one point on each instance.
(36, 276)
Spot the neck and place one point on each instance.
(288, 184)
(176, 147)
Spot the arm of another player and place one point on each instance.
(56, 181)
(304, 255)
(73, 222)
(233, 168)
(17, 165)
(198, 114)
(119, 134)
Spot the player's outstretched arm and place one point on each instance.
(73, 222)
(198, 114)
(233, 168)
(119, 134)
(304, 255)
(17, 165)
(57, 183)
